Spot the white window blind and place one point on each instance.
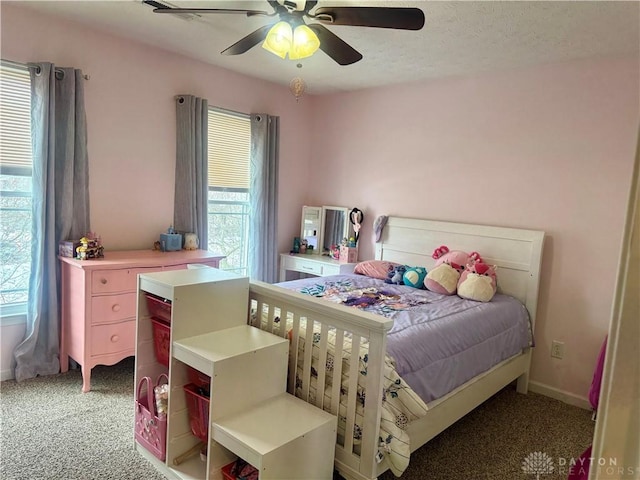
(229, 150)
(15, 190)
(15, 117)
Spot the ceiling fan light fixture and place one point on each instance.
(291, 36)
(305, 43)
(279, 39)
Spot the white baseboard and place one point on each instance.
(6, 375)
(566, 397)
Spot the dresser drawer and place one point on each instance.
(113, 338)
(113, 281)
(330, 270)
(113, 308)
(304, 265)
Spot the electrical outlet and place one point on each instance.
(557, 349)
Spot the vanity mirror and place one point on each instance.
(310, 228)
(324, 226)
(335, 226)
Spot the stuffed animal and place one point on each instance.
(414, 277)
(444, 276)
(478, 282)
(395, 275)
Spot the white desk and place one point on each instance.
(312, 264)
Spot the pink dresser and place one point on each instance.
(99, 303)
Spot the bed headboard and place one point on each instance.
(517, 253)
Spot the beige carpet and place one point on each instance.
(493, 441)
(51, 430)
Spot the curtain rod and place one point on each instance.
(11, 63)
(219, 109)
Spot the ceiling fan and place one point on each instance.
(304, 39)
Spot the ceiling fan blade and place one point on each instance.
(309, 5)
(248, 13)
(381, 17)
(274, 4)
(248, 42)
(159, 7)
(334, 46)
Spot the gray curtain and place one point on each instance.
(263, 242)
(60, 192)
(190, 207)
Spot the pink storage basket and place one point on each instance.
(150, 428)
(159, 307)
(198, 378)
(198, 407)
(161, 341)
(226, 472)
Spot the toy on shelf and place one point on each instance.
(296, 245)
(170, 241)
(191, 241)
(67, 248)
(304, 244)
(90, 247)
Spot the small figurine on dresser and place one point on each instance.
(191, 241)
(90, 247)
(296, 245)
(171, 241)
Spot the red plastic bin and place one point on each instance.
(226, 472)
(198, 407)
(198, 378)
(159, 307)
(161, 341)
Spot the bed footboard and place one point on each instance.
(319, 377)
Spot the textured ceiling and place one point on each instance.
(459, 38)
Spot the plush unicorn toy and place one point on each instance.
(444, 276)
(478, 282)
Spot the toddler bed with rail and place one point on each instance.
(424, 360)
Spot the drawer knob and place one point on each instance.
(116, 307)
(115, 338)
(103, 281)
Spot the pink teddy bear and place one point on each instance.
(444, 276)
(478, 282)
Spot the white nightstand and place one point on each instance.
(312, 264)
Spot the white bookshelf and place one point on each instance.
(250, 414)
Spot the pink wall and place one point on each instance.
(131, 121)
(550, 148)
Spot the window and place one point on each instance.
(15, 187)
(229, 145)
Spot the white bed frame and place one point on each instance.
(517, 253)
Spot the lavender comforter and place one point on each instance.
(437, 342)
